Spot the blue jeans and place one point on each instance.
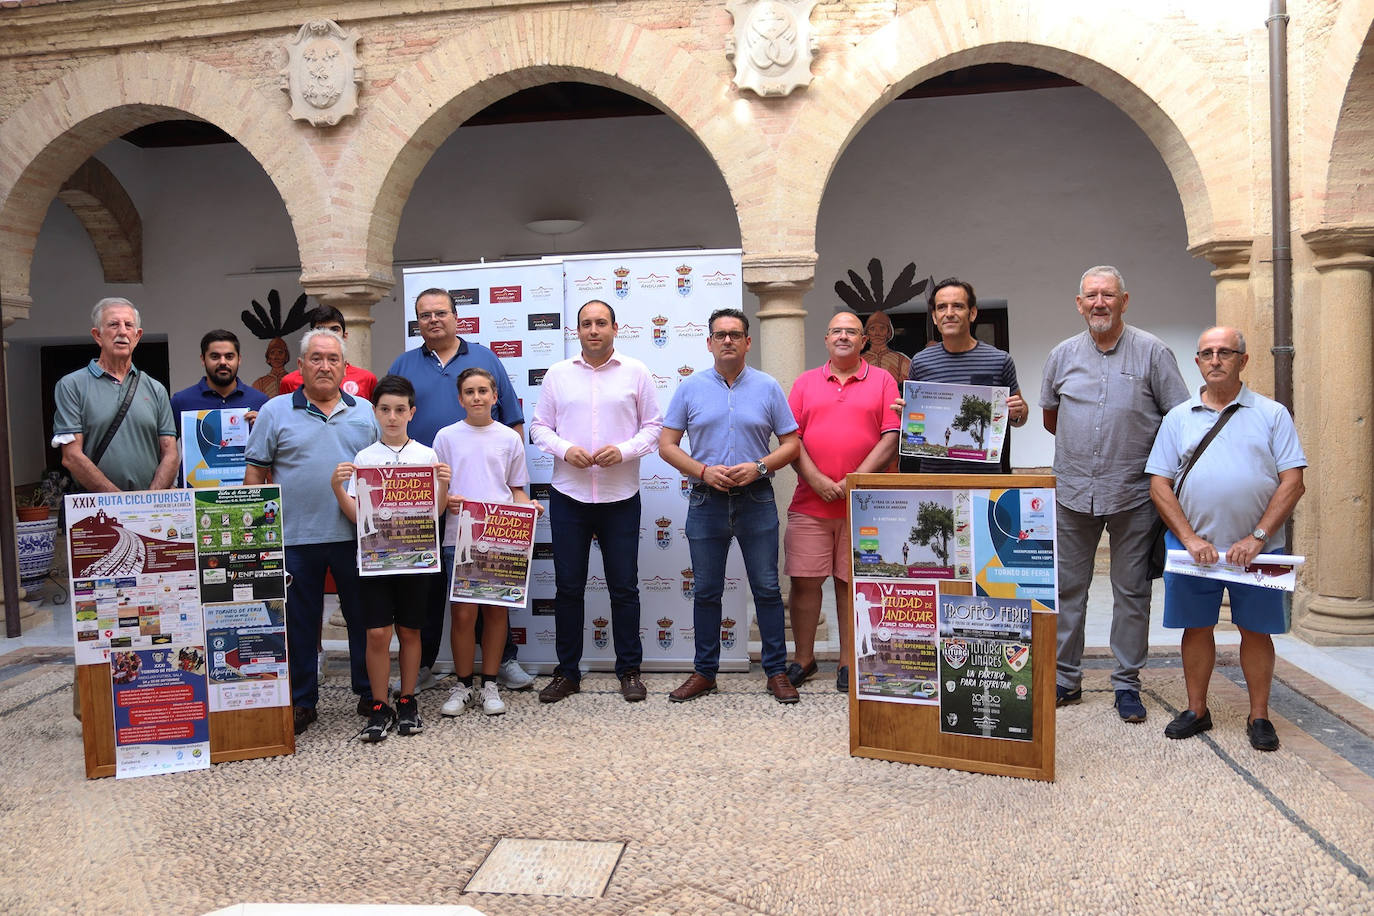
(306, 566)
(616, 527)
(750, 516)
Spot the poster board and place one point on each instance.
(911, 732)
(144, 566)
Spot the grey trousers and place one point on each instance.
(1078, 537)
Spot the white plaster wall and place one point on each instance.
(1017, 192)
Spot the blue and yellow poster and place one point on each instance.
(1013, 545)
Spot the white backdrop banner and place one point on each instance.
(526, 313)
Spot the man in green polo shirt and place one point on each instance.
(142, 453)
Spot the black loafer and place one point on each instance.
(842, 679)
(1262, 735)
(1063, 696)
(797, 675)
(1187, 724)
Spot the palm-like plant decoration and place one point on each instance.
(266, 323)
(867, 298)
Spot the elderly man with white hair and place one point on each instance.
(1104, 394)
(112, 421)
(299, 438)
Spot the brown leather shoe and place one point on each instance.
(782, 690)
(632, 688)
(693, 687)
(560, 688)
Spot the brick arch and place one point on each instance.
(1340, 142)
(60, 127)
(1165, 92)
(408, 120)
(109, 216)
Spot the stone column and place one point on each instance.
(1336, 606)
(13, 307)
(780, 281)
(1236, 307)
(355, 299)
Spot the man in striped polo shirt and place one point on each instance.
(961, 359)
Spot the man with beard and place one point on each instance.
(1104, 394)
(220, 386)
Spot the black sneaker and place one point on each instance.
(364, 706)
(380, 721)
(408, 716)
(1064, 696)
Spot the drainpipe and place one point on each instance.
(1277, 24)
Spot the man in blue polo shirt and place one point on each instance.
(730, 413)
(220, 386)
(433, 368)
(298, 437)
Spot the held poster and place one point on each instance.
(492, 549)
(894, 641)
(1268, 570)
(239, 544)
(213, 445)
(398, 519)
(161, 723)
(133, 567)
(957, 422)
(985, 667)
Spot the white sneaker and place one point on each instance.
(423, 682)
(319, 665)
(491, 700)
(512, 677)
(459, 699)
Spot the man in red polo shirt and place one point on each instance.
(847, 425)
(356, 381)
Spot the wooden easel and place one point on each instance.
(911, 734)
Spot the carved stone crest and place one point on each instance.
(322, 73)
(771, 44)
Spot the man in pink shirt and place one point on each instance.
(843, 410)
(597, 416)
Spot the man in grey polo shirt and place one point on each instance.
(300, 437)
(1236, 498)
(1104, 394)
(142, 453)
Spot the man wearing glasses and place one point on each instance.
(1236, 498)
(1104, 394)
(731, 413)
(846, 426)
(433, 368)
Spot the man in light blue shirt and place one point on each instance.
(300, 437)
(730, 413)
(1235, 498)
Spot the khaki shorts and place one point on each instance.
(816, 547)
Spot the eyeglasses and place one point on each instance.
(727, 335)
(844, 332)
(431, 316)
(1219, 353)
(1105, 297)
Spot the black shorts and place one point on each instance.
(395, 599)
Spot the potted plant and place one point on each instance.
(36, 529)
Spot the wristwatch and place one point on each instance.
(1260, 534)
(763, 468)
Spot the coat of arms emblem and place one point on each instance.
(322, 73)
(771, 45)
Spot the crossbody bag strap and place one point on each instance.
(118, 419)
(1202, 446)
